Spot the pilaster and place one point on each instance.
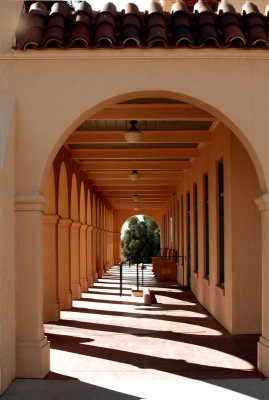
(94, 251)
(90, 277)
(75, 259)
(51, 306)
(64, 275)
(263, 344)
(32, 347)
(83, 258)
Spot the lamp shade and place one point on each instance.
(134, 176)
(133, 135)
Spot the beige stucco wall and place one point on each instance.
(246, 243)
(231, 84)
(65, 100)
(7, 264)
(238, 305)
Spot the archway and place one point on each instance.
(97, 221)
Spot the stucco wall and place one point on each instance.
(246, 243)
(238, 305)
(7, 272)
(231, 84)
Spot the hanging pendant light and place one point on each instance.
(133, 135)
(135, 197)
(134, 176)
(136, 208)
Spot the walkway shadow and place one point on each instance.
(178, 367)
(224, 344)
(40, 389)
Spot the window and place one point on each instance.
(206, 225)
(171, 231)
(221, 221)
(189, 238)
(196, 227)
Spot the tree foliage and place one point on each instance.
(141, 240)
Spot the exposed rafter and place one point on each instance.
(167, 112)
(160, 136)
(136, 154)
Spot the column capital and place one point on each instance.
(50, 218)
(65, 222)
(83, 227)
(30, 202)
(75, 224)
(262, 202)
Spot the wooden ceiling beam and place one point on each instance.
(127, 182)
(136, 188)
(159, 136)
(141, 153)
(116, 175)
(156, 112)
(131, 165)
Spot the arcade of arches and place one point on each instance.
(193, 182)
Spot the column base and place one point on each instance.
(65, 298)
(84, 285)
(33, 359)
(90, 282)
(95, 276)
(76, 291)
(52, 313)
(263, 356)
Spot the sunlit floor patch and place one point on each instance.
(108, 337)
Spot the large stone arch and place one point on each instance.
(65, 123)
(246, 136)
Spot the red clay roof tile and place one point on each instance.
(130, 27)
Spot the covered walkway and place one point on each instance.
(116, 347)
(105, 336)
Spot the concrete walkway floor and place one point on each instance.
(112, 347)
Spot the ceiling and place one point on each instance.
(173, 131)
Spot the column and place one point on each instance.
(32, 347)
(111, 249)
(83, 258)
(102, 248)
(51, 306)
(90, 277)
(64, 278)
(94, 250)
(98, 253)
(105, 251)
(263, 344)
(75, 260)
(117, 250)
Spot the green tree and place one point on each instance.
(141, 240)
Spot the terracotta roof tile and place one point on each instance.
(131, 8)
(187, 24)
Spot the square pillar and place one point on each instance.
(75, 259)
(263, 344)
(32, 347)
(64, 275)
(94, 250)
(90, 277)
(51, 306)
(83, 258)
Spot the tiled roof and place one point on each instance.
(59, 27)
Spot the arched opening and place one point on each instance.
(140, 234)
(187, 167)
